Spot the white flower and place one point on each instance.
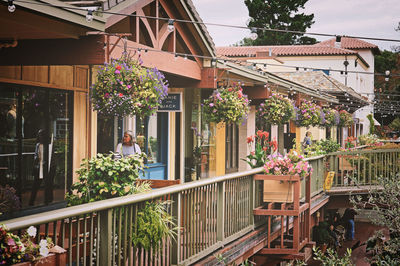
(44, 251)
(32, 231)
(295, 153)
(43, 243)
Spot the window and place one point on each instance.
(36, 142)
(232, 148)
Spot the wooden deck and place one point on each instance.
(352, 190)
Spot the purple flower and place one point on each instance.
(117, 71)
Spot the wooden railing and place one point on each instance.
(362, 167)
(209, 213)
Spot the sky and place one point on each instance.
(364, 18)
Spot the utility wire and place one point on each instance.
(215, 24)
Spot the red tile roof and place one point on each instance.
(282, 50)
(349, 43)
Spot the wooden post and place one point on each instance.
(221, 211)
(104, 256)
(176, 213)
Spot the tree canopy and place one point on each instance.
(278, 14)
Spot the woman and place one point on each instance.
(128, 146)
(307, 141)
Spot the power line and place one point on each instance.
(213, 24)
(251, 64)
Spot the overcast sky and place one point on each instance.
(366, 18)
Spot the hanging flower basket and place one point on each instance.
(346, 119)
(276, 110)
(227, 105)
(124, 87)
(332, 117)
(308, 114)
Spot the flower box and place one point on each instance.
(50, 260)
(278, 191)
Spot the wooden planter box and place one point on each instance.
(278, 188)
(278, 191)
(50, 260)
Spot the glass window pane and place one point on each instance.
(152, 154)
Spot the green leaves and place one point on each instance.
(154, 224)
(102, 177)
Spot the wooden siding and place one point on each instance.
(80, 130)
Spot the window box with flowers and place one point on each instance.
(346, 119)
(124, 87)
(332, 117)
(276, 110)
(308, 114)
(292, 165)
(227, 105)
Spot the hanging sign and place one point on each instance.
(171, 103)
(328, 180)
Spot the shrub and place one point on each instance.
(102, 177)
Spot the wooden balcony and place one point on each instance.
(224, 214)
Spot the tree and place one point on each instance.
(385, 205)
(278, 14)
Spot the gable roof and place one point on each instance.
(282, 50)
(349, 43)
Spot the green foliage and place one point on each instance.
(322, 147)
(331, 117)
(331, 258)
(276, 110)
(371, 124)
(228, 105)
(367, 139)
(385, 207)
(395, 125)
(279, 14)
(154, 224)
(103, 177)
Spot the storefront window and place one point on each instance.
(152, 137)
(35, 143)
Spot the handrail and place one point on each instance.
(23, 222)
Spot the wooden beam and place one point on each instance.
(294, 178)
(276, 212)
(278, 251)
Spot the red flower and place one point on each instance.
(274, 143)
(250, 139)
(260, 134)
(230, 89)
(266, 135)
(120, 95)
(118, 67)
(265, 148)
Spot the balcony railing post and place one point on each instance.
(252, 200)
(105, 245)
(176, 244)
(221, 211)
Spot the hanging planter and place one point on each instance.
(308, 114)
(124, 87)
(346, 119)
(276, 110)
(227, 105)
(332, 117)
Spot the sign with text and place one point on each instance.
(171, 103)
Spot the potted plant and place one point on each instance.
(308, 114)
(124, 87)
(276, 110)
(332, 117)
(346, 119)
(227, 105)
(277, 165)
(262, 148)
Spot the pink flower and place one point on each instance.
(117, 72)
(11, 242)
